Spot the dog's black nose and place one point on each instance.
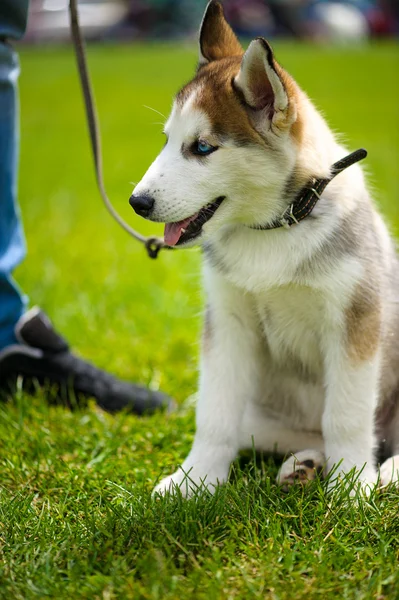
(142, 205)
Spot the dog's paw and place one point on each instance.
(189, 482)
(389, 472)
(301, 468)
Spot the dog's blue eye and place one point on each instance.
(202, 148)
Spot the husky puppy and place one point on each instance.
(300, 349)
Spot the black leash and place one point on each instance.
(300, 208)
(152, 244)
(308, 197)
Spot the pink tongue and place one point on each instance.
(173, 231)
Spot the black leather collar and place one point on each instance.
(309, 195)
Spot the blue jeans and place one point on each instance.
(12, 245)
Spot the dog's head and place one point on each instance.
(232, 139)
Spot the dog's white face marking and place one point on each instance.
(177, 182)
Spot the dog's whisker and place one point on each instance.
(155, 110)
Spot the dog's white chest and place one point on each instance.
(293, 374)
(291, 317)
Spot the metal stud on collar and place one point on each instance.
(288, 214)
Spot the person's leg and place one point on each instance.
(12, 246)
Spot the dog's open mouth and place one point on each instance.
(188, 229)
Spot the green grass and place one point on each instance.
(76, 515)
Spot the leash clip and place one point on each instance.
(153, 245)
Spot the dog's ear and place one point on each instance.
(217, 39)
(264, 86)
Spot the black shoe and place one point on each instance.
(43, 357)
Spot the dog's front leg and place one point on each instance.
(352, 387)
(229, 376)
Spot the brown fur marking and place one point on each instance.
(363, 322)
(225, 108)
(219, 100)
(217, 39)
